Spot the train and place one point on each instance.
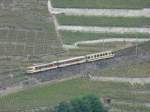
(68, 62)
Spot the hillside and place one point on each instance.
(27, 33)
(26, 28)
(84, 27)
(125, 64)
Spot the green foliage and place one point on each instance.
(72, 37)
(119, 4)
(63, 107)
(104, 21)
(89, 103)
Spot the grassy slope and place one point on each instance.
(72, 37)
(104, 21)
(126, 69)
(130, 67)
(51, 94)
(133, 4)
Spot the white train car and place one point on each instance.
(69, 62)
(41, 67)
(98, 56)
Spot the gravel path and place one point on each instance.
(10, 90)
(125, 80)
(103, 29)
(130, 103)
(103, 12)
(76, 44)
(100, 12)
(147, 105)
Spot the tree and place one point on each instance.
(95, 104)
(89, 103)
(63, 107)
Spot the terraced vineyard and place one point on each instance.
(27, 33)
(78, 19)
(25, 29)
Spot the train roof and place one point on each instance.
(79, 57)
(37, 65)
(98, 53)
(59, 61)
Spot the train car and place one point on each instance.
(98, 56)
(42, 67)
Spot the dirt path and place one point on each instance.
(124, 80)
(10, 90)
(104, 12)
(134, 103)
(100, 12)
(76, 44)
(96, 29)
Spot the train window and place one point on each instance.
(95, 56)
(98, 55)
